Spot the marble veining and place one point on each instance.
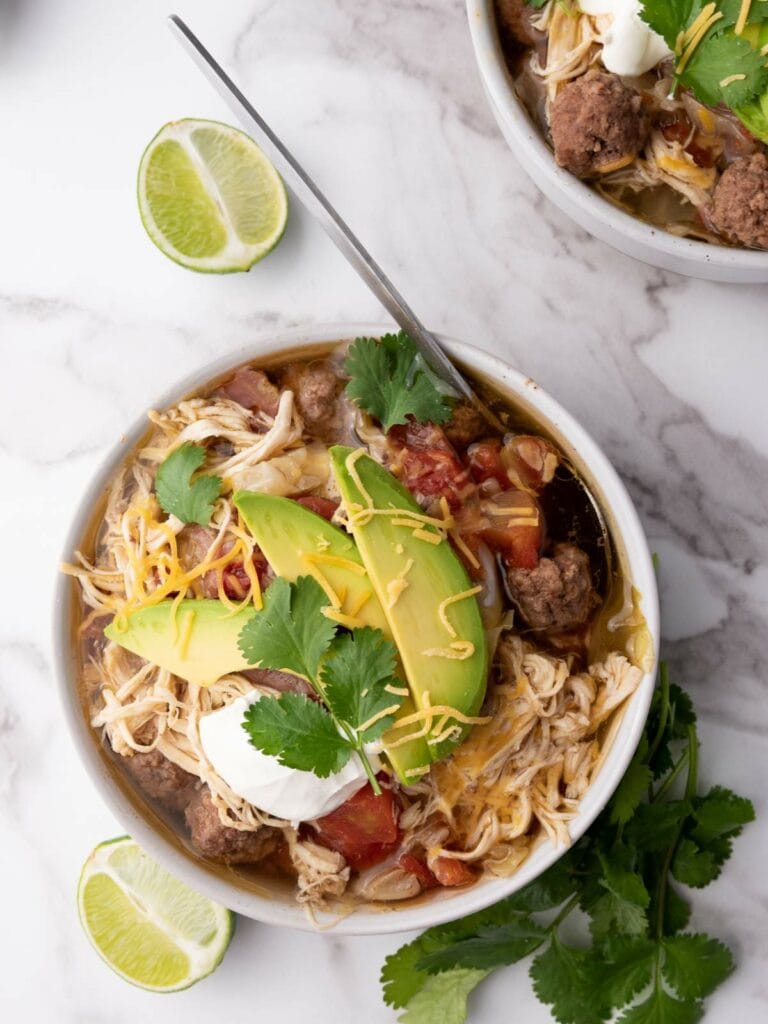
(381, 100)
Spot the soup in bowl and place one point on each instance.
(339, 648)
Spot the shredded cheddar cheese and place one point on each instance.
(348, 621)
(696, 33)
(459, 650)
(396, 586)
(454, 599)
(186, 632)
(730, 79)
(378, 717)
(741, 21)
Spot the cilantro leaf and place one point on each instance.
(548, 890)
(443, 998)
(694, 965)
(677, 912)
(613, 915)
(655, 826)
(632, 787)
(299, 732)
(390, 381)
(626, 968)
(694, 866)
(359, 666)
(716, 59)
(290, 634)
(661, 1008)
(490, 947)
(721, 813)
(669, 17)
(178, 494)
(567, 979)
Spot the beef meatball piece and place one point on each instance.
(162, 780)
(222, 843)
(739, 208)
(558, 594)
(316, 389)
(597, 124)
(465, 425)
(514, 21)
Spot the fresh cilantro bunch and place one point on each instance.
(656, 835)
(389, 378)
(349, 671)
(720, 55)
(190, 500)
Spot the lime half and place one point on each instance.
(209, 198)
(151, 929)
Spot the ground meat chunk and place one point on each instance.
(558, 594)
(253, 390)
(283, 682)
(597, 124)
(316, 389)
(467, 424)
(739, 208)
(222, 843)
(514, 21)
(162, 780)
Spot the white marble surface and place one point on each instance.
(380, 98)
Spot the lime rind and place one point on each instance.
(249, 200)
(152, 930)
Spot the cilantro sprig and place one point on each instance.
(720, 56)
(390, 380)
(190, 500)
(657, 833)
(348, 671)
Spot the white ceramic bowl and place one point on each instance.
(582, 203)
(444, 905)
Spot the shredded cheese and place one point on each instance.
(186, 632)
(459, 650)
(341, 563)
(377, 717)
(397, 691)
(348, 621)
(741, 21)
(454, 599)
(414, 773)
(461, 544)
(308, 560)
(396, 586)
(705, 21)
(430, 538)
(730, 80)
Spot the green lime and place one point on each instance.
(151, 929)
(209, 198)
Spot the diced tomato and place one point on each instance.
(514, 529)
(426, 463)
(680, 129)
(449, 872)
(235, 579)
(363, 830)
(676, 130)
(485, 463)
(415, 866)
(323, 506)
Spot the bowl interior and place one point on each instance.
(275, 905)
(582, 203)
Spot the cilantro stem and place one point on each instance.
(571, 905)
(692, 781)
(663, 712)
(667, 783)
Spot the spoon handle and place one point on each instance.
(307, 192)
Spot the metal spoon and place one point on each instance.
(356, 254)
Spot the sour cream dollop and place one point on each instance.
(261, 779)
(630, 47)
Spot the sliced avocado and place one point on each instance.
(197, 643)
(287, 532)
(432, 573)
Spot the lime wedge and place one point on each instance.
(209, 198)
(151, 929)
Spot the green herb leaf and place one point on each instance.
(299, 732)
(632, 788)
(359, 667)
(677, 912)
(548, 890)
(669, 17)
(626, 968)
(662, 1008)
(490, 947)
(654, 826)
(567, 979)
(694, 866)
(694, 965)
(443, 998)
(718, 58)
(290, 634)
(612, 915)
(390, 381)
(178, 494)
(721, 813)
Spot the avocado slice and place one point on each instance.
(287, 533)
(198, 643)
(433, 574)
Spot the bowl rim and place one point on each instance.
(444, 906)
(513, 116)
